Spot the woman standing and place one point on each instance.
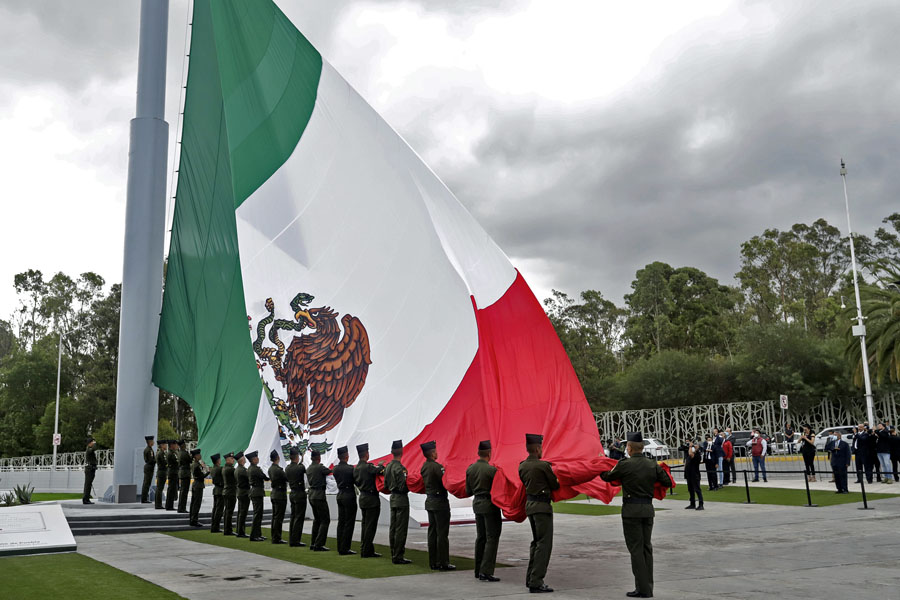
(808, 450)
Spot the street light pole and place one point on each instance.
(859, 330)
(56, 418)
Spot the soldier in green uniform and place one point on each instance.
(637, 475)
(184, 476)
(160, 473)
(278, 496)
(257, 493)
(242, 478)
(369, 502)
(149, 465)
(539, 480)
(199, 473)
(316, 474)
(488, 519)
(437, 503)
(172, 474)
(218, 485)
(295, 472)
(346, 502)
(395, 481)
(90, 469)
(229, 493)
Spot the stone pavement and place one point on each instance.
(727, 551)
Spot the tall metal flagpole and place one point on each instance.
(137, 400)
(859, 330)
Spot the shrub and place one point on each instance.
(23, 493)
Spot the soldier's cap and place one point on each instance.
(315, 454)
(295, 451)
(274, 454)
(534, 438)
(635, 436)
(397, 445)
(342, 451)
(361, 448)
(181, 442)
(148, 437)
(88, 440)
(251, 455)
(195, 451)
(428, 446)
(215, 457)
(238, 455)
(229, 455)
(484, 445)
(173, 442)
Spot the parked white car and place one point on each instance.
(654, 448)
(846, 432)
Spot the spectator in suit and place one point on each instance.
(710, 461)
(692, 459)
(883, 451)
(857, 452)
(719, 452)
(840, 461)
(728, 463)
(866, 449)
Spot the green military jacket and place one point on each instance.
(242, 477)
(316, 474)
(343, 477)
(479, 481)
(160, 463)
(364, 476)
(90, 458)
(637, 475)
(279, 482)
(199, 476)
(539, 479)
(184, 464)
(149, 460)
(257, 481)
(395, 481)
(295, 473)
(218, 481)
(172, 463)
(436, 494)
(229, 481)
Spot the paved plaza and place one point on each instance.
(727, 551)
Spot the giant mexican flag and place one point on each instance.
(325, 288)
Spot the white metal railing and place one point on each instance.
(66, 461)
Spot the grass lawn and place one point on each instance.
(42, 497)
(573, 508)
(784, 497)
(74, 577)
(352, 565)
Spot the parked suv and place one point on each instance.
(846, 432)
(739, 441)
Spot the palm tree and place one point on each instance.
(881, 307)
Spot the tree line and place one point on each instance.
(684, 338)
(680, 338)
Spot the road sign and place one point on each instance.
(57, 439)
(784, 402)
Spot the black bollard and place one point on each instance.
(809, 503)
(862, 485)
(747, 487)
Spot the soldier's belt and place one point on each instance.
(280, 489)
(368, 493)
(637, 500)
(393, 493)
(345, 488)
(537, 498)
(438, 495)
(483, 496)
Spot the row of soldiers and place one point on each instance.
(235, 485)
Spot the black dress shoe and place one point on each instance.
(86, 502)
(158, 507)
(484, 577)
(298, 545)
(637, 594)
(700, 507)
(279, 542)
(477, 575)
(215, 531)
(372, 555)
(170, 509)
(183, 512)
(146, 502)
(228, 533)
(448, 568)
(347, 552)
(540, 590)
(196, 524)
(690, 507)
(324, 549)
(402, 561)
(258, 539)
(241, 535)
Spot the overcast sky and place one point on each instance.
(589, 138)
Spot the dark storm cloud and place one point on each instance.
(728, 141)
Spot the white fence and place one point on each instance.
(672, 425)
(65, 461)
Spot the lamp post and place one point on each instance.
(859, 330)
(58, 373)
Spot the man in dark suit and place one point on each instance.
(711, 462)
(840, 461)
(692, 459)
(857, 453)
